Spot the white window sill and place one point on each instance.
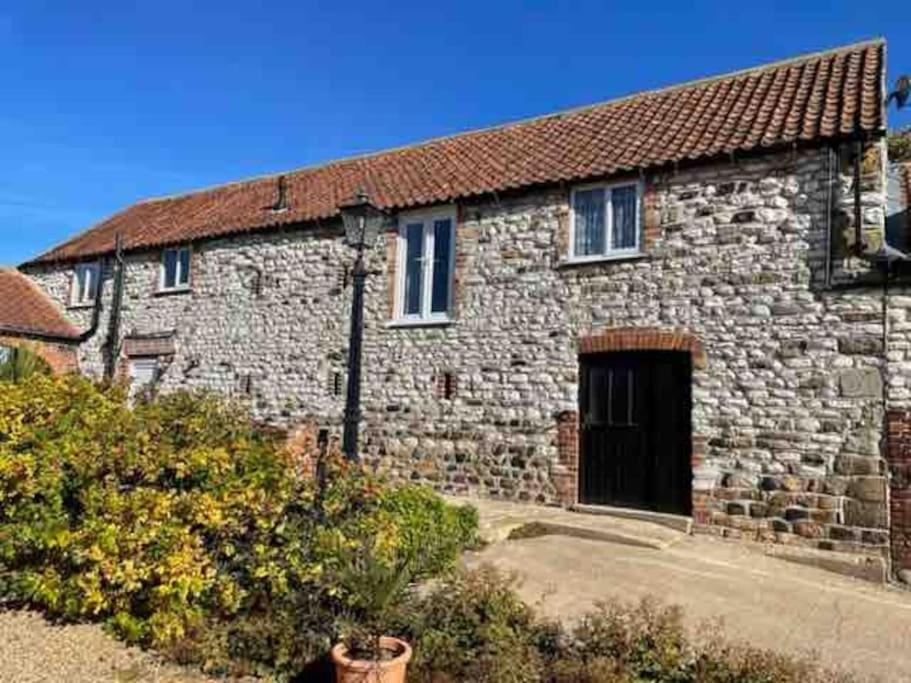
(173, 291)
(420, 322)
(84, 304)
(606, 258)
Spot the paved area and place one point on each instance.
(764, 600)
(34, 651)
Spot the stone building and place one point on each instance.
(680, 300)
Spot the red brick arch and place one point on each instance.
(643, 339)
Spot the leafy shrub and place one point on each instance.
(17, 363)
(473, 626)
(184, 528)
(899, 144)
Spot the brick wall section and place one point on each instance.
(643, 339)
(566, 474)
(898, 453)
(61, 357)
(651, 216)
(466, 239)
(392, 246)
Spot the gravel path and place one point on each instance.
(33, 650)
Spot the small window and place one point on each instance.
(605, 221)
(85, 284)
(144, 374)
(612, 398)
(175, 269)
(425, 268)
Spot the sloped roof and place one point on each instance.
(821, 96)
(26, 310)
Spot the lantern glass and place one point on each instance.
(363, 221)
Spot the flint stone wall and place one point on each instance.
(787, 409)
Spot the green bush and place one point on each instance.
(19, 363)
(899, 145)
(474, 627)
(184, 528)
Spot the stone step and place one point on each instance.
(502, 520)
(676, 522)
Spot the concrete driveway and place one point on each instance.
(766, 601)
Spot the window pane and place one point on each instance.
(623, 201)
(589, 222)
(414, 251)
(170, 268)
(91, 274)
(184, 278)
(86, 282)
(442, 245)
(598, 395)
(621, 401)
(81, 283)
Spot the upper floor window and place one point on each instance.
(85, 284)
(605, 221)
(175, 269)
(426, 256)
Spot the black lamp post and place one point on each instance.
(362, 227)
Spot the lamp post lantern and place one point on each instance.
(363, 221)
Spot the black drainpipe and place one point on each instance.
(112, 345)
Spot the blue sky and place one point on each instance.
(108, 102)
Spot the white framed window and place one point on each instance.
(175, 269)
(605, 221)
(425, 267)
(85, 284)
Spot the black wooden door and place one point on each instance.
(635, 436)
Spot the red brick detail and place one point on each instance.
(446, 385)
(61, 357)
(561, 239)
(898, 455)
(651, 217)
(699, 448)
(566, 476)
(466, 238)
(644, 339)
(392, 248)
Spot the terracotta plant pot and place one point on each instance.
(392, 670)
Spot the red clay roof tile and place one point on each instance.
(26, 310)
(815, 97)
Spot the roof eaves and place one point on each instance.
(705, 80)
